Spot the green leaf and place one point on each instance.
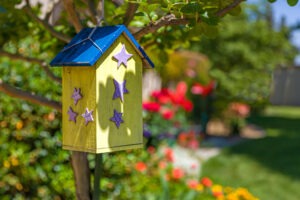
(178, 5)
(292, 2)
(236, 11)
(140, 14)
(210, 31)
(192, 8)
(272, 1)
(212, 20)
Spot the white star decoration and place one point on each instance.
(88, 116)
(122, 57)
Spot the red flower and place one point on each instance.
(187, 105)
(162, 96)
(181, 89)
(151, 106)
(206, 182)
(192, 184)
(178, 96)
(177, 173)
(140, 166)
(168, 114)
(151, 149)
(203, 90)
(169, 154)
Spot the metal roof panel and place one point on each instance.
(91, 43)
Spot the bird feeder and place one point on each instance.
(102, 90)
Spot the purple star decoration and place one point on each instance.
(76, 95)
(117, 118)
(122, 57)
(88, 116)
(120, 90)
(72, 115)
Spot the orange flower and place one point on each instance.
(217, 194)
(177, 173)
(141, 166)
(206, 182)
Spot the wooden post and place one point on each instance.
(97, 177)
(81, 171)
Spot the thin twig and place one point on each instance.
(171, 19)
(118, 2)
(27, 96)
(228, 8)
(45, 24)
(131, 9)
(92, 10)
(73, 16)
(40, 62)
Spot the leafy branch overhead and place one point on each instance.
(161, 24)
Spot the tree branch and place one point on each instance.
(231, 6)
(45, 24)
(27, 96)
(73, 16)
(118, 2)
(131, 9)
(42, 63)
(171, 19)
(92, 10)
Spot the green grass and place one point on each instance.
(268, 167)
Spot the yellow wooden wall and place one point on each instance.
(78, 136)
(97, 88)
(130, 133)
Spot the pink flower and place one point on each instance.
(169, 154)
(240, 109)
(193, 144)
(192, 184)
(162, 165)
(177, 173)
(151, 106)
(141, 166)
(193, 166)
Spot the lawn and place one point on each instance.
(268, 167)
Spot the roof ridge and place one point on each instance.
(102, 41)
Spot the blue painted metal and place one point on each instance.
(91, 43)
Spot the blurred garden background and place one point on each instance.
(221, 107)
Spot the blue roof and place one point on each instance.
(91, 43)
